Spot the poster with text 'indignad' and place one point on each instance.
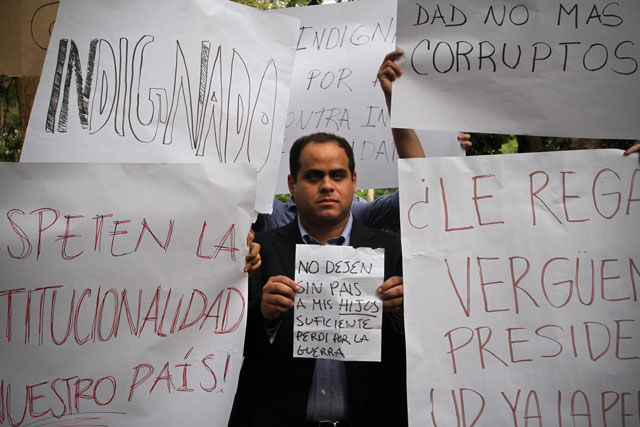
(335, 89)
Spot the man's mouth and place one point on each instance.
(327, 201)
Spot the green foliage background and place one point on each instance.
(10, 134)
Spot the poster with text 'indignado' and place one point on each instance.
(165, 81)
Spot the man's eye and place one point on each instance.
(314, 176)
(338, 176)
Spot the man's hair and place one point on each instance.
(321, 137)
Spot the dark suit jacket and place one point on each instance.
(274, 386)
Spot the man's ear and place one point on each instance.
(292, 184)
(355, 179)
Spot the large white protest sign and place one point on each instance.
(165, 81)
(338, 312)
(334, 88)
(521, 281)
(122, 295)
(545, 67)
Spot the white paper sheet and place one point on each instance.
(521, 275)
(545, 67)
(338, 312)
(334, 88)
(122, 296)
(165, 81)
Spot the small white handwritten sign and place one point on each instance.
(338, 313)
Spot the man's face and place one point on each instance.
(323, 189)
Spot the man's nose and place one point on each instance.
(327, 184)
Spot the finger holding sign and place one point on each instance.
(634, 149)
(465, 140)
(392, 294)
(388, 72)
(253, 259)
(277, 297)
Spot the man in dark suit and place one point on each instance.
(278, 390)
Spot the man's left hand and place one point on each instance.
(392, 294)
(465, 140)
(253, 259)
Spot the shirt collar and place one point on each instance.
(344, 239)
(291, 204)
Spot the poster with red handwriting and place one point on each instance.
(544, 67)
(164, 81)
(122, 294)
(522, 275)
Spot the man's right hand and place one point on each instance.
(388, 72)
(277, 297)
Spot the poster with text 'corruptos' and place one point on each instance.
(122, 293)
(521, 279)
(165, 81)
(544, 67)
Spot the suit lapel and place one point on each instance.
(360, 235)
(285, 246)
